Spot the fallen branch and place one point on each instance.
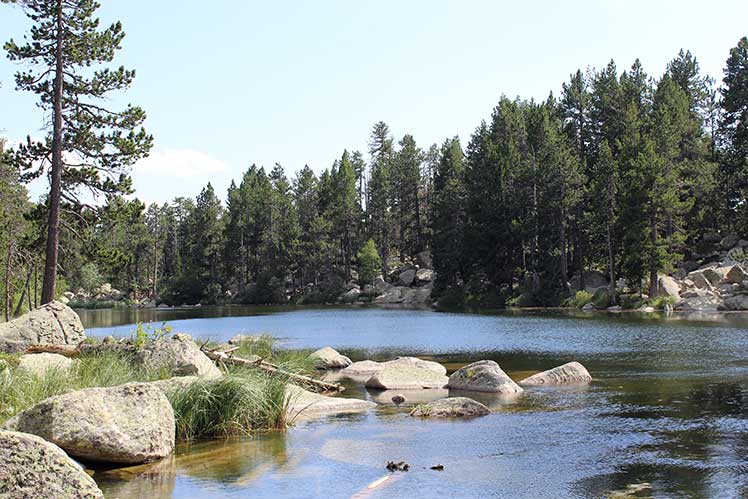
(219, 356)
(65, 350)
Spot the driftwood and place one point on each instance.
(227, 358)
(77, 350)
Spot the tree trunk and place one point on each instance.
(564, 263)
(8, 270)
(653, 256)
(53, 220)
(609, 237)
(24, 292)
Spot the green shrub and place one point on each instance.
(601, 298)
(659, 302)
(579, 300)
(369, 263)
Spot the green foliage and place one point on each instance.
(659, 302)
(369, 262)
(146, 334)
(580, 299)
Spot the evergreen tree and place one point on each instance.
(380, 189)
(369, 262)
(406, 179)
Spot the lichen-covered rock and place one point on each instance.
(132, 423)
(483, 376)
(453, 407)
(53, 323)
(329, 358)
(178, 354)
(572, 373)
(31, 467)
(303, 403)
(402, 377)
(39, 363)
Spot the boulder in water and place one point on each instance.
(453, 407)
(329, 358)
(483, 376)
(572, 373)
(401, 377)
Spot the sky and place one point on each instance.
(227, 84)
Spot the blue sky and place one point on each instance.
(229, 83)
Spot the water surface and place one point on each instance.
(665, 416)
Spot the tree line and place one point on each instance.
(622, 172)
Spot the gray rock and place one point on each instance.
(424, 260)
(735, 274)
(362, 368)
(392, 296)
(350, 296)
(667, 286)
(398, 399)
(453, 407)
(424, 276)
(483, 376)
(31, 467)
(713, 275)
(588, 307)
(705, 303)
(170, 386)
(736, 302)
(572, 373)
(729, 241)
(711, 237)
(593, 280)
(700, 280)
(416, 296)
(407, 277)
(40, 363)
(381, 286)
(369, 367)
(179, 354)
(402, 377)
(614, 308)
(305, 404)
(53, 323)
(132, 423)
(329, 358)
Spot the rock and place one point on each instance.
(407, 277)
(392, 296)
(362, 368)
(736, 302)
(416, 296)
(369, 367)
(453, 407)
(700, 280)
(398, 399)
(64, 300)
(163, 305)
(108, 340)
(329, 358)
(424, 259)
(404, 377)
(588, 307)
(307, 404)
(40, 363)
(178, 354)
(53, 323)
(132, 423)
(614, 308)
(705, 303)
(711, 237)
(413, 396)
(735, 274)
(349, 296)
(647, 309)
(483, 376)
(572, 373)
(713, 275)
(667, 286)
(354, 274)
(729, 241)
(170, 386)
(31, 467)
(381, 286)
(424, 275)
(690, 265)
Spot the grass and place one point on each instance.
(265, 346)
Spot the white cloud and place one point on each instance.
(179, 163)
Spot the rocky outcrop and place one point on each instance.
(40, 363)
(329, 358)
(405, 378)
(572, 373)
(53, 323)
(132, 423)
(31, 467)
(306, 404)
(483, 376)
(178, 354)
(453, 407)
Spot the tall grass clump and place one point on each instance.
(238, 403)
(265, 346)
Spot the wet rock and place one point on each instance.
(410, 396)
(329, 358)
(453, 407)
(31, 467)
(53, 323)
(303, 403)
(405, 377)
(40, 363)
(178, 354)
(572, 373)
(132, 423)
(483, 376)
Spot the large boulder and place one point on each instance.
(40, 363)
(401, 377)
(369, 367)
(424, 276)
(454, 407)
(407, 277)
(303, 403)
(416, 297)
(391, 296)
(736, 302)
(572, 373)
(483, 376)
(53, 323)
(350, 296)
(178, 354)
(667, 286)
(381, 286)
(424, 259)
(329, 358)
(132, 423)
(701, 303)
(700, 280)
(735, 274)
(31, 467)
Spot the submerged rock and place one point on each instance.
(52, 324)
(303, 403)
(178, 354)
(453, 407)
(40, 363)
(31, 467)
(329, 358)
(483, 376)
(132, 423)
(402, 377)
(572, 373)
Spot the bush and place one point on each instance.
(369, 263)
(659, 302)
(580, 299)
(601, 298)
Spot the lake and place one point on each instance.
(664, 417)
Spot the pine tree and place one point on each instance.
(380, 190)
(406, 177)
(87, 145)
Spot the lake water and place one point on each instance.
(665, 416)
